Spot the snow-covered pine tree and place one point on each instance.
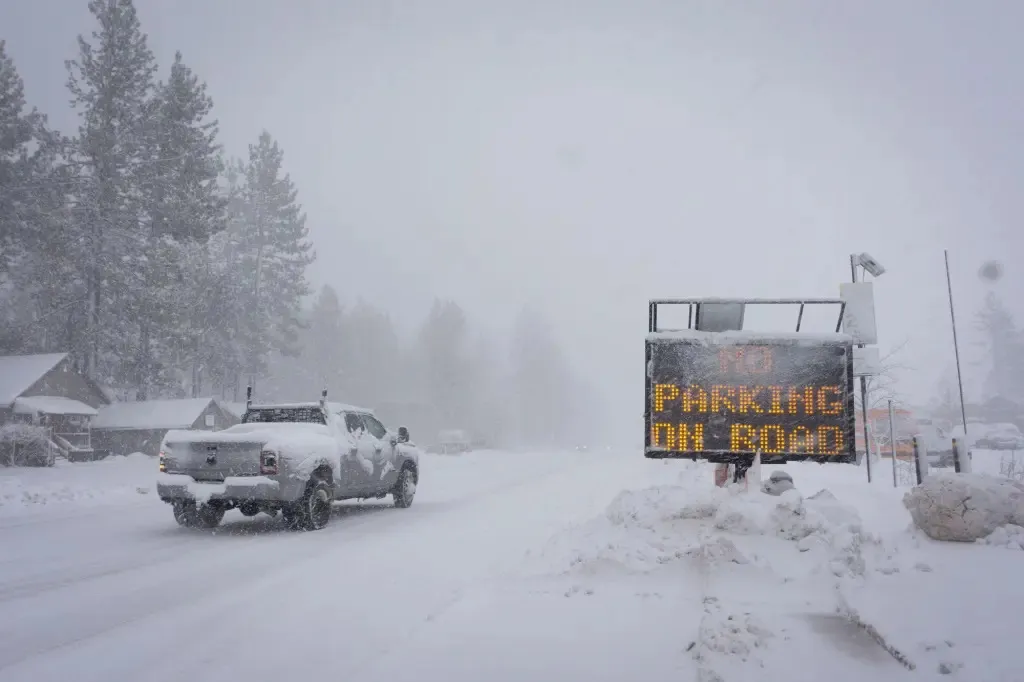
(224, 354)
(445, 364)
(18, 131)
(110, 85)
(323, 351)
(273, 253)
(373, 357)
(542, 382)
(37, 313)
(1004, 350)
(184, 207)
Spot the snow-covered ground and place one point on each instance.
(509, 566)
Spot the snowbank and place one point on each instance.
(114, 480)
(965, 507)
(839, 579)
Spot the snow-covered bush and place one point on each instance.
(20, 443)
(965, 507)
(1012, 466)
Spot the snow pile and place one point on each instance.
(965, 507)
(642, 530)
(112, 480)
(1010, 536)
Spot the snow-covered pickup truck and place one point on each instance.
(293, 458)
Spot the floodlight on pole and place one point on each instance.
(875, 269)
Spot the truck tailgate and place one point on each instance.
(213, 460)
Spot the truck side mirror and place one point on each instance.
(403, 434)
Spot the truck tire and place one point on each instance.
(188, 515)
(313, 511)
(405, 488)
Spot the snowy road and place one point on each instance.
(507, 568)
(121, 593)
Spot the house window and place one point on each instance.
(211, 420)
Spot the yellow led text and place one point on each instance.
(684, 437)
(722, 398)
(773, 438)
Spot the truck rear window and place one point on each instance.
(270, 415)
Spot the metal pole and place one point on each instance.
(918, 468)
(892, 444)
(956, 347)
(863, 387)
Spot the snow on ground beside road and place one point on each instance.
(686, 581)
(70, 485)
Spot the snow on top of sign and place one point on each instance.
(746, 336)
(19, 372)
(151, 414)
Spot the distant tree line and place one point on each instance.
(169, 270)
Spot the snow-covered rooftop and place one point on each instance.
(237, 409)
(151, 414)
(48, 404)
(19, 372)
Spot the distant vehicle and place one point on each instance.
(998, 437)
(936, 444)
(453, 441)
(294, 458)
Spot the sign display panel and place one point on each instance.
(723, 403)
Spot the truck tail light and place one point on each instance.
(163, 462)
(268, 463)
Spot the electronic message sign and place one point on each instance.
(790, 399)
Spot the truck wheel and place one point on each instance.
(188, 515)
(313, 511)
(185, 514)
(249, 509)
(209, 517)
(405, 488)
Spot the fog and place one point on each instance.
(583, 157)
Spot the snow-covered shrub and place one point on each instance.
(20, 443)
(1011, 466)
(965, 507)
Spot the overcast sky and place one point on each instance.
(588, 155)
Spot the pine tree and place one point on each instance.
(273, 252)
(110, 85)
(184, 207)
(373, 357)
(1004, 346)
(445, 363)
(37, 313)
(541, 380)
(17, 131)
(323, 352)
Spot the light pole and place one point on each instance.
(875, 269)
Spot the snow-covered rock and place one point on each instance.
(778, 483)
(965, 507)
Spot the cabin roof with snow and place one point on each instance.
(154, 415)
(19, 372)
(51, 376)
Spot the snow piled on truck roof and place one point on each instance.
(331, 406)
